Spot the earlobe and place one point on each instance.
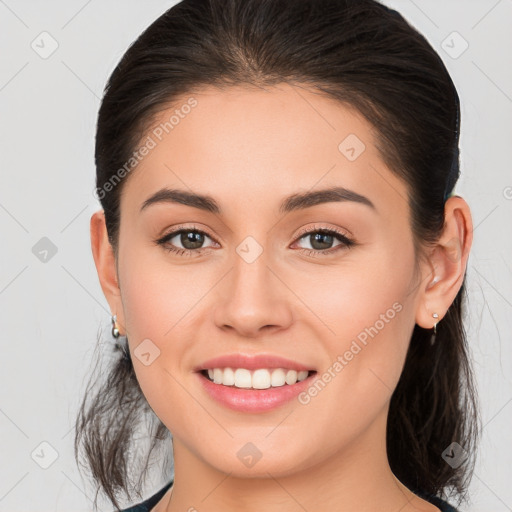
(447, 261)
(105, 262)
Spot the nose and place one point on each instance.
(252, 300)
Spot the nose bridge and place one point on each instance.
(252, 297)
(250, 276)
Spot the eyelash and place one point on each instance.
(345, 241)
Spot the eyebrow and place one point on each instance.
(294, 202)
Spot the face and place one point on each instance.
(254, 273)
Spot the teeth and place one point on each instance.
(261, 379)
(242, 378)
(278, 378)
(258, 379)
(291, 377)
(217, 375)
(228, 377)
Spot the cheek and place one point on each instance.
(157, 304)
(161, 303)
(369, 310)
(363, 298)
(159, 296)
(372, 315)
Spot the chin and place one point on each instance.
(253, 460)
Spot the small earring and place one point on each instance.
(115, 330)
(433, 337)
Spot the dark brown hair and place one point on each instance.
(358, 52)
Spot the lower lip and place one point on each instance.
(254, 400)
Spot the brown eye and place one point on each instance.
(184, 241)
(191, 239)
(322, 240)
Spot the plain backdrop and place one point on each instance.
(51, 303)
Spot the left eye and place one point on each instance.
(322, 240)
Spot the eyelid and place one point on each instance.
(313, 229)
(182, 227)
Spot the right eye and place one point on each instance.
(191, 240)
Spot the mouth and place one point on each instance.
(254, 391)
(260, 378)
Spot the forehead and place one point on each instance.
(260, 144)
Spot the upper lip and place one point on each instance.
(251, 362)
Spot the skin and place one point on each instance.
(249, 149)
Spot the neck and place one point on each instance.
(357, 477)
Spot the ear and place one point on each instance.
(446, 263)
(105, 262)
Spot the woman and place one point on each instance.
(284, 258)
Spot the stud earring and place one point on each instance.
(115, 329)
(433, 337)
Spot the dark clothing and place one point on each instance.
(147, 505)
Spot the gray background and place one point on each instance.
(51, 305)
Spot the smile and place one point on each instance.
(277, 387)
(261, 378)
